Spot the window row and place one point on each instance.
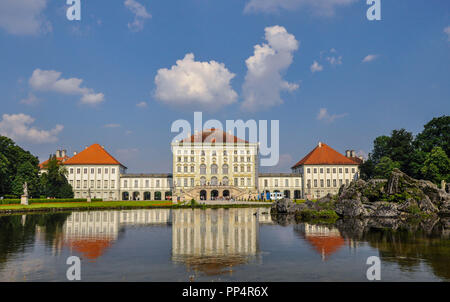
(94, 185)
(92, 170)
(213, 152)
(308, 170)
(135, 183)
(328, 183)
(276, 182)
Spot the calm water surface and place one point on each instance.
(217, 245)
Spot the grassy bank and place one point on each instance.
(103, 205)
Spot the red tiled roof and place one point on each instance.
(93, 155)
(323, 154)
(213, 136)
(59, 159)
(326, 245)
(90, 248)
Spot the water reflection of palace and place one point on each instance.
(218, 233)
(213, 241)
(326, 240)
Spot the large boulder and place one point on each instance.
(286, 206)
(350, 208)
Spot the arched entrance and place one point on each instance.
(214, 194)
(287, 194)
(136, 196)
(297, 194)
(168, 195)
(125, 196)
(158, 195)
(203, 195)
(226, 193)
(147, 196)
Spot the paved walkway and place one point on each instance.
(227, 202)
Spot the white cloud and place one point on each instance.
(23, 17)
(325, 116)
(334, 60)
(263, 82)
(315, 67)
(142, 104)
(447, 31)
(195, 84)
(112, 126)
(50, 80)
(140, 15)
(31, 99)
(18, 127)
(318, 7)
(369, 58)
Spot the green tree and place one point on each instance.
(28, 173)
(54, 182)
(384, 168)
(436, 166)
(436, 133)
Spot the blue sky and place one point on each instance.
(119, 49)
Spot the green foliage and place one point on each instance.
(384, 168)
(35, 201)
(436, 166)
(54, 182)
(308, 215)
(414, 156)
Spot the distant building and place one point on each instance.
(210, 164)
(61, 157)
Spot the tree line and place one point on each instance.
(18, 166)
(424, 156)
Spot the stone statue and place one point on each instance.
(25, 189)
(24, 197)
(89, 195)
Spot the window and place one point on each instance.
(92, 184)
(202, 181)
(185, 169)
(249, 168)
(214, 169)
(157, 183)
(113, 171)
(328, 183)
(242, 159)
(192, 152)
(179, 169)
(315, 182)
(236, 182)
(309, 183)
(346, 182)
(85, 184)
(340, 170)
(192, 169)
(242, 182)
(225, 169)
(125, 184)
(214, 181)
(185, 159)
(192, 182)
(328, 170)
(179, 159)
(242, 169)
(192, 159)
(321, 170)
(78, 170)
(202, 169)
(225, 181)
(71, 183)
(346, 170)
(340, 182)
(225, 153)
(321, 183)
(334, 170)
(85, 171)
(296, 183)
(147, 183)
(235, 169)
(265, 183)
(78, 184)
(276, 182)
(71, 170)
(315, 170)
(308, 170)
(235, 159)
(105, 183)
(99, 183)
(353, 170)
(113, 184)
(248, 159)
(249, 182)
(92, 170)
(286, 182)
(106, 170)
(334, 182)
(203, 153)
(99, 171)
(185, 182)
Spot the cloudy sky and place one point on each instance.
(129, 68)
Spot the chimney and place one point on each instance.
(63, 153)
(58, 153)
(103, 146)
(74, 153)
(352, 153)
(347, 153)
(320, 144)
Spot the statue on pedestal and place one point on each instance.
(89, 195)
(24, 197)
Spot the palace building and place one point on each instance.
(210, 164)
